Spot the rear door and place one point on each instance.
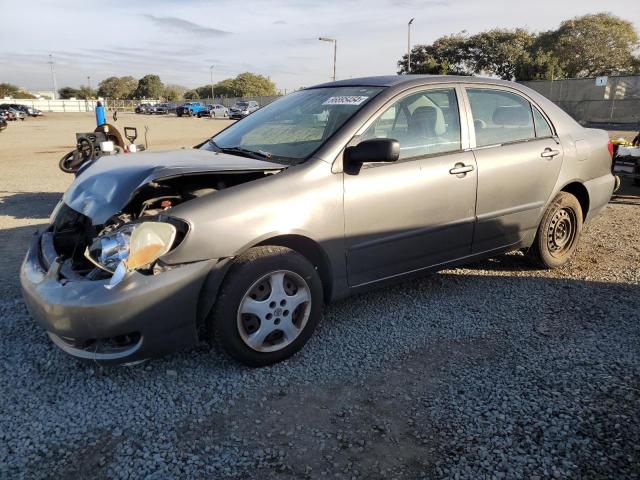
(518, 159)
(416, 212)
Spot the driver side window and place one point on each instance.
(424, 123)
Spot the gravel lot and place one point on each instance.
(490, 371)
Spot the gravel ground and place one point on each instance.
(490, 371)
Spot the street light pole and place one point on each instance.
(211, 72)
(335, 52)
(409, 45)
(53, 77)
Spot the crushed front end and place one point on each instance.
(149, 312)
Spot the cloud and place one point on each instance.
(186, 26)
(419, 3)
(279, 22)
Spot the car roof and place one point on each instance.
(409, 80)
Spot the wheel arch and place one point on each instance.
(578, 190)
(312, 251)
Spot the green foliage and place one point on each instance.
(10, 90)
(174, 92)
(591, 45)
(82, 93)
(67, 92)
(600, 44)
(446, 56)
(117, 87)
(149, 86)
(244, 85)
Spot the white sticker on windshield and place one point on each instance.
(345, 100)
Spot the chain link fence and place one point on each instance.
(615, 104)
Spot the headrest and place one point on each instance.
(429, 117)
(512, 116)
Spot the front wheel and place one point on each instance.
(269, 305)
(558, 233)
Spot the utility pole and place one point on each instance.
(335, 52)
(53, 77)
(409, 46)
(89, 82)
(211, 72)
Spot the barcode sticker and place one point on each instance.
(345, 100)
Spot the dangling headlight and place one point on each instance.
(131, 247)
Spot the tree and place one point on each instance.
(82, 93)
(448, 55)
(149, 86)
(244, 85)
(500, 52)
(585, 46)
(252, 85)
(591, 45)
(191, 94)
(117, 87)
(68, 92)
(10, 90)
(174, 92)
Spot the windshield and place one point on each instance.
(292, 128)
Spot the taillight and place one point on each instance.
(610, 147)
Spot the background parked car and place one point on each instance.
(3, 123)
(15, 114)
(7, 115)
(162, 109)
(143, 108)
(242, 109)
(190, 109)
(33, 112)
(214, 111)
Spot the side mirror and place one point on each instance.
(375, 150)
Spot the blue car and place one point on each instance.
(190, 109)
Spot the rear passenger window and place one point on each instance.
(500, 117)
(542, 126)
(424, 123)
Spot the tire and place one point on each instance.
(179, 114)
(248, 286)
(558, 233)
(199, 115)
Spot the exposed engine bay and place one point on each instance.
(93, 252)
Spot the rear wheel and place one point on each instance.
(558, 233)
(268, 307)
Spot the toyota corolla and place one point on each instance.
(328, 191)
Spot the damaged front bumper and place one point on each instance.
(142, 317)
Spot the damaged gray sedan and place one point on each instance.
(328, 191)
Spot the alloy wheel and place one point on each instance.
(274, 311)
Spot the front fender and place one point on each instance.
(303, 200)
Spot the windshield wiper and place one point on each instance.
(257, 154)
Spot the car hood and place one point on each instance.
(106, 185)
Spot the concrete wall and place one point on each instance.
(616, 103)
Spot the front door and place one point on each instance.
(518, 160)
(419, 211)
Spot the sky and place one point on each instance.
(181, 39)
